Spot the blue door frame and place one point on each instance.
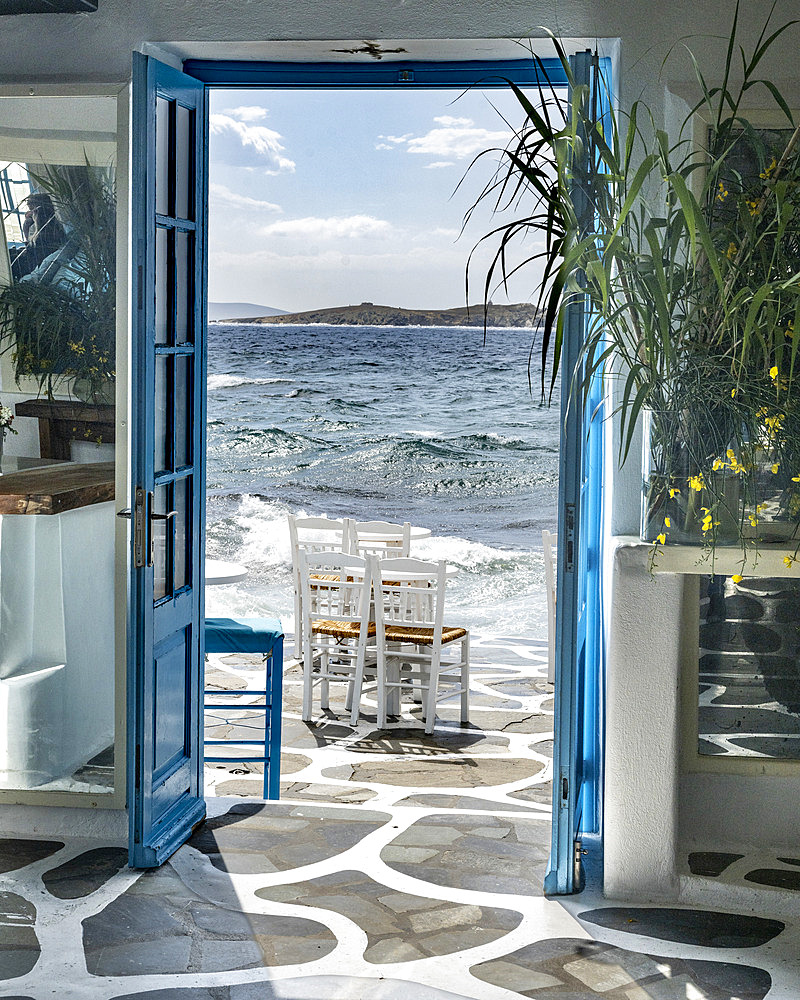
(579, 674)
(578, 745)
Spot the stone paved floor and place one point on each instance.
(396, 867)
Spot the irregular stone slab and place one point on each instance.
(790, 861)
(504, 722)
(736, 637)
(326, 793)
(711, 863)
(708, 749)
(160, 926)
(707, 928)
(730, 721)
(778, 877)
(492, 854)
(523, 687)
(434, 800)
(784, 747)
(400, 926)
(416, 742)
(541, 793)
(19, 946)
(221, 680)
(85, 873)
(571, 969)
(254, 838)
(305, 988)
(17, 853)
(310, 735)
(470, 772)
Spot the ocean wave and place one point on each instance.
(269, 441)
(234, 381)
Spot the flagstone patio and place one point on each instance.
(395, 867)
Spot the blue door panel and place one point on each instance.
(165, 652)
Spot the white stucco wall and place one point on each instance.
(644, 787)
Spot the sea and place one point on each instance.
(436, 426)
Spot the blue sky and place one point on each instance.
(325, 198)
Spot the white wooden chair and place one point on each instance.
(413, 643)
(336, 601)
(313, 534)
(380, 538)
(550, 547)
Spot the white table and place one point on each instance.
(377, 536)
(219, 572)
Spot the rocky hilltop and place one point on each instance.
(522, 314)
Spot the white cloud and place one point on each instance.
(449, 120)
(454, 139)
(246, 113)
(259, 144)
(222, 197)
(313, 228)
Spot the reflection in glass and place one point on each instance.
(162, 323)
(183, 520)
(749, 667)
(184, 180)
(163, 397)
(162, 532)
(183, 397)
(58, 235)
(163, 156)
(184, 288)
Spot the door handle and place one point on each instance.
(163, 517)
(128, 513)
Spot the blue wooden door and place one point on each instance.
(165, 633)
(577, 755)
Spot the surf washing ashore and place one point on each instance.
(424, 424)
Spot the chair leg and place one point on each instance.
(298, 624)
(465, 680)
(308, 687)
(433, 690)
(381, 670)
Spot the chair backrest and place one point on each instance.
(319, 534)
(383, 539)
(336, 586)
(409, 592)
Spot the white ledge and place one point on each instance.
(754, 560)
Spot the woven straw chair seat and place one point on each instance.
(341, 630)
(422, 636)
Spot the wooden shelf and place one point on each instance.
(56, 488)
(63, 420)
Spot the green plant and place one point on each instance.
(62, 331)
(687, 261)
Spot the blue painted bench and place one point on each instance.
(251, 635)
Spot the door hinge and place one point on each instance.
(564, 791)
(569, 518)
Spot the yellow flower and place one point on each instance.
(718, 464)
(788, 560)
(752, 206)
(673, 493)
(661, 538)
(722, 194)
(773, 373)
(775, 468)
(796, 479)
(790, 330)
(667, 523)
(736, 578)
(697, 483)
(733, 392)
(730, 253)
(766, 173)
(753, 520)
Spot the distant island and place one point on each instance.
(522, 314)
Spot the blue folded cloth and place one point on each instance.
(242, 635)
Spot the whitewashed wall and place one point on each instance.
(97, 47)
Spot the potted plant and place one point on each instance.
(686, 254)
(58, 321)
